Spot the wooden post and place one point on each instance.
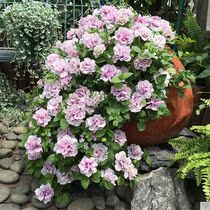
(208, 17)
(201, 11)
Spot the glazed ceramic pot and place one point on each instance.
(160, 130)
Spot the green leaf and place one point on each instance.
(133, 184)
(100, 134)
(53, 158)
(116, 80)
(108, 185)
(96, 178)
(127, 75)
(204, 74)
(141, 125)
(147, 157)
(63, 198)
(120, 181)
(136, 49)
(85, 182)
(64, 124)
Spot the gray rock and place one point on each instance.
(39, 205)
(17, 166)
(5, 153)
(194, 193)
(63, 204)
(188, 133)
(3, 129)
(4, 193)
(9, 206)
(99, 202)
(30, 208)
(160, 189)
(112, 200)
(24, 189)
(125, 192)
(82, 204)
(109, 192)
(95, 189)
(8, 177)
(77, 195)
(19, 199)
(11, 136)
(197, 206)
(9, 144)
(34, 184)
(6, 162)
(122, 206)
(20, 137)
(18, 130)
(159, 157)
(6, 123)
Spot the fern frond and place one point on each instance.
(192, 164)
(188, 146)
(206, 182)
(195, 32)
(198, 176)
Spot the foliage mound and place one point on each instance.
(194, 156)
(114, 67)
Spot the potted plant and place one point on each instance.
(115, 67)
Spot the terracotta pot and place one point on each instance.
(160, 130)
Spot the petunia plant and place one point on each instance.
(113, 68)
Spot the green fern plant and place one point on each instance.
(195, 32)
(194, 155)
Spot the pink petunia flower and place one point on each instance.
(88, 166)
(100, 152)
(120, 137)
(122, 161)
(67, 146)
(135, 152)
(124, 36)
(42, 117)
(44, 193)
(95, 123)
(109, 175)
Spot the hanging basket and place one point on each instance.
(160, 130)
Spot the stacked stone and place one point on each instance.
(158, 186)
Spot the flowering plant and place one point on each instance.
(114, 67)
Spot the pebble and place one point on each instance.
(30, 208)
(112, 200)
(39, 205)
(4, 193)
(19, 199)
(9, 206)
(34, 184)
(9, 144)
(17, 157)
(18, 130)
(125, 192)
(8, 177)
(5, 153)
(3, 129)
(121, 206)
(6, 162)
(82, 204)
(99, 202)
(17, 166)
(20, 137)
(109, 192)
(78, 195)
(11, 136)
(6, 123)
(24, 189)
